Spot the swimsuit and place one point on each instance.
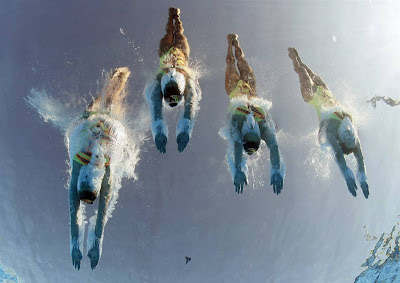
(242, 88)
(323, 100)
(258, 112)
(99, 131)
(174, 58)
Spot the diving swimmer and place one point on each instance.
(334, 121)
(174, 83)
(249, 119)
(387, 100)
(96, 146)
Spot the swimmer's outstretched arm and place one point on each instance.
(344, 169)
(74, 204)
(159, 128)
(185, 124)
(268, 134)
(361, 175)
(95, 238)
(239, 172)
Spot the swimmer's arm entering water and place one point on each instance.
(344, 169)
(268, 134)
(361, 175)
(185, 124)
(159, 128)
(239, 178)
(74, 205)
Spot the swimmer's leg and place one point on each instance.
(373, 101)
(306, 82)
(246, 72)
(168, 40)
(114, 90)
(316, 79)
(94, 105)
(231, 74)
(391, 101)
(181, 41)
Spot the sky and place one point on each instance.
(185, 204)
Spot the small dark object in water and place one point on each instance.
(188, 259)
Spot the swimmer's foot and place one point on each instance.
(231, 37)
(174, 12)
(235, 41)
(292, 53)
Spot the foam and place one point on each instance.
(126, 135)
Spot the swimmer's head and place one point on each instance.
(87, 193)
(251, 135)
(173, 86)
(347, 134)
(251, 142)
(172, 94)
(89, 182)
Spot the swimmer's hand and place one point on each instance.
(182, 140)
(94, 253)
(239, 181)
(161, 142)
(351, 182)
(362, 179)
(277, 182)
(364, 187)
(76, 254)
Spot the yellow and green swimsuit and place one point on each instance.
(174, 58)
(85, 156)
(242, 88)
(323, 99)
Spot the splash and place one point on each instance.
(8, 275)
(319, 157)
(127, 133)
(51, 110)
(368, 236)
(266, 76)
(384, 263)
(355, 104)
